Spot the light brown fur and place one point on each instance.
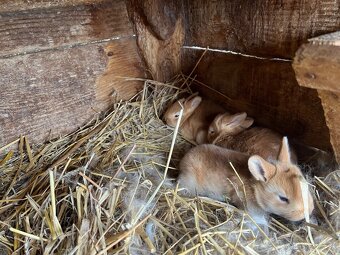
(197, 116)
(234, 132)
(205, 170)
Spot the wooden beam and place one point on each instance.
(61, 66)
(35, 30)
(159, 27)
(265, 28)
(317, 65)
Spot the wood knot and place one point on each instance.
(311, 76)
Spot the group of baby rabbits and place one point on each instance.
(252, 166)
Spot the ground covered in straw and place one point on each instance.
(103, 190)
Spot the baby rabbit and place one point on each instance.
(233, 132)
(197, 115)
(269, 187)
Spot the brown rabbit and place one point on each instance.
(269, 187)
(197, 115)
(234, 132)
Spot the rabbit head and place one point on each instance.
(189, 105)
(278, 189)
(226, 124)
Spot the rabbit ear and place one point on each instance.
(284, 155)
(234, 120)
(261, 169)
(247, 122)
(193, 103)
(218, 119)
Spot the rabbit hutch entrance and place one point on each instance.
(87, 163)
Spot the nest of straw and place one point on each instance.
(109, 188)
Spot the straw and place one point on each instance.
(110, 188)
(304, 191)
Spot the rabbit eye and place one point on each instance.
(284, 199)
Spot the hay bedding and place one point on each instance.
(101, 190)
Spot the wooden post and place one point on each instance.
(317, 66)
(159, 28)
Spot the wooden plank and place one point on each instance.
(266, 90)
(261, 27)
(24, 5)
(331, 106)
(50, 93)
(35, 30)
(317, 66)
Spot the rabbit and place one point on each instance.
(235, 132)
(198, 113)
(269, 187)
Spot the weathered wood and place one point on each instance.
(159, 38)
(48, 93)
(42, 29)
(318, 65)
(45, 92)
(61, 66)
(25, 5)
(266, 90)
(161, 16)
(261, 27)
(331, 106)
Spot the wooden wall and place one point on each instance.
(61, 63)
(270, 28)
(267, 89)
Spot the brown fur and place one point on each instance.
(238, 136)
(205, 170)
(196, 117)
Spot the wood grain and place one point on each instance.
(159, 47)
(35, 30)
(266, 90)
(25, 5)
(162, 16)
(47, 94)
(261, 27)
(61, 66)
(318, 66)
